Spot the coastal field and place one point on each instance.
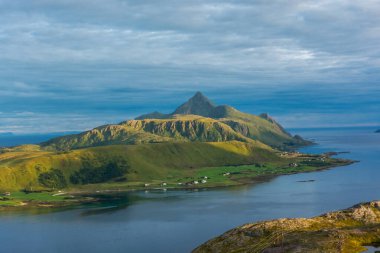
(40, 178)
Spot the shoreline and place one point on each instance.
(77, 197)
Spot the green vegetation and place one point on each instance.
(342, 231)
(52, 179)
(42, 199)
(90, 175)
(20, 199)
(146, 166)
(139, 163)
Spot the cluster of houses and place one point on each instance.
(6, 194)
(290, 154)
(194, 182)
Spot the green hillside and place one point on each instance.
(262, 127)
(188, 127)
(196, 120)
(137, 163)
(103, 135)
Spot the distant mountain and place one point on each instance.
(199, 119)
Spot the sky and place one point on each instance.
(71, 65)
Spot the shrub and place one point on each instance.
(90, 175)
(52, 179)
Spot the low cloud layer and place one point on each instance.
(125, 57)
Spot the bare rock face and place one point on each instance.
(197, 105)
(365, 213)
(341, 231)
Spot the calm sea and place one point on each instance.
(178, 221)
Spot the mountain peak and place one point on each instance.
(199, 97)
(199, 104)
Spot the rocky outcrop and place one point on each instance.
(200, 129)
(341, 231)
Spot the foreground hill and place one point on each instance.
(342, 231)
(196, 120)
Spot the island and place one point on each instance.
(199, 145)
(348, 230)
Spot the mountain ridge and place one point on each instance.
(198, 119)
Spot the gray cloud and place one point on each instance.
(114, 55)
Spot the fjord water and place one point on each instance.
(178, 221)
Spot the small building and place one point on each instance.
(203, 181)
(293, 165)
(146, 185)
(205, 177)
(164, 184)
(7, 194)
(226, 174)
(179, 183)
(195, 182)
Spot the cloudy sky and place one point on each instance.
(74, 64)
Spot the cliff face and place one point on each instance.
(196, 120)
(341, 231)
(200, 129)
(180, 129)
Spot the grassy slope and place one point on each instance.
(20, 169)
(181, 128)
(342, 231)
(267, 131)
(189, 127)
(103, 135)
(177, 129)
